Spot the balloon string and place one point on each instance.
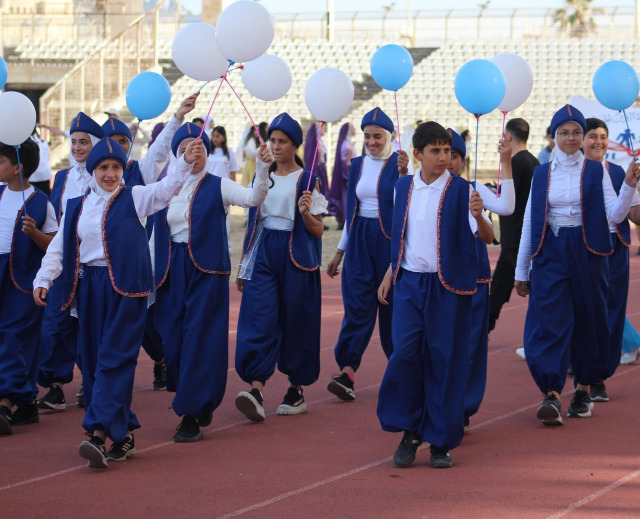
(20, 169)
(206, 119)
(315, 154)
(245, 109)
(204, 85)
(504, 118)
(633, 153)
(133, 139)
(475, 166)
(395, 95)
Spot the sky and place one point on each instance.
(290, 6)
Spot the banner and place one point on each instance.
(620, 138)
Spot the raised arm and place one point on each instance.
(250, 196)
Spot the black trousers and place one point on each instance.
(502, 283)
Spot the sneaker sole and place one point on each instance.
(129, 454)
(97, 460)
(188, 439)
(599, 398)
(441, 464)
(163, 388)
(572, 414)
(288, 410)
(249, 406)
(548, 413)
(51, 407)
(342, 392)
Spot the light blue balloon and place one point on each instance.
(148, 95)
(480, 86)
(4, 73)
(616, 85)
(391, 67)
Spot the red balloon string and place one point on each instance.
(245, 109)
(206, 119)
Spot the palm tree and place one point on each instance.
(579, 22)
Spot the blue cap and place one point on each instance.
(189, 131)
(115, 126)
(83, 123)
(106, 149)
(287, 124)
(457, 143)
(567, 114)
(378, 118)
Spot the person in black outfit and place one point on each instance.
(522, 165)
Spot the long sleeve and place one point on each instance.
(524, 251)
(251, 149)
(152, 164)
(51, 265)
(235, 194)
(505, 204)
(617, 207)
(344, 238)
(156, 196)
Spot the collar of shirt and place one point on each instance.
(195, 177)
(566, 162)
(439, 183)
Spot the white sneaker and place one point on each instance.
(631, 357)
(520, 353)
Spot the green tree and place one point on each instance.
(577, 18)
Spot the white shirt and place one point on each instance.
(152, 164)
(44, 167)
(77, 184)
(505, 204)
(232, 194)
(421, 233)
(10, 205)
(146, 199)
(635, 202)
(564, 203)
(219, 165)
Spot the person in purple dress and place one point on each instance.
(338, 192)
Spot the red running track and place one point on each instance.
(335, 461)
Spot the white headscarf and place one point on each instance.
(82, 166)
(559, 157)
(386, 152)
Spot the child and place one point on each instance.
(192, 268)
(104, 249)
(365, 244)
(596, 143)
(59, 328)
(566, 240)
(279, 278)
(222, 160)
(434, 269)
(22, 242)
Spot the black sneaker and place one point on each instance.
(249, 403)
(159, 376)
(599, 392)
(293, 403)
(188, 431)
(467, 424)
(94, 451)
(120, 451)
(549, 411)
(53, 400)
(581, 405)
(5, 420)
(80, 397)
(406, 452)
(342, 386)
(440, 458)
(25, 414)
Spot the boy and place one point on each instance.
(434, 268)
(24, 236)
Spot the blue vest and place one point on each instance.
(305, 251)
(26, 256)
(386, 184)
(125, 244)
(457, 256)
(208, 246)
(132, 175)
(595, 227)
(59, 183)
(623, 229)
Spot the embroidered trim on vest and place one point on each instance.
(15, 230)
(77, 267)
(616, 225)
(106, 250)
(193, 259)
(584, 234)
(438, 221)
(166, 270)
(484, 281)
(293, 230)
(404, 228)
(546, 212)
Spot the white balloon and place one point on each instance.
(329, 94)
(245, 31)
(196, 54)
(519, 78)
(17, 118)
(267, 78)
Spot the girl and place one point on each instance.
(192, 279)
(104, 249)
(366, 243)
(565, 238)
(222, 161)
(279, 320)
